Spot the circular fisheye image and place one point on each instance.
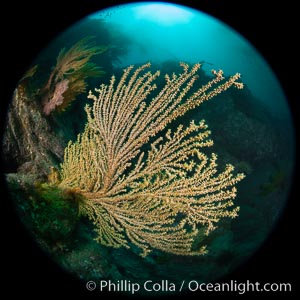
(149, 141)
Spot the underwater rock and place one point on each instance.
(50, 213)
(255, 139)
(29, 143)
(249, 135)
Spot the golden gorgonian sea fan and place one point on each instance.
(156, 197)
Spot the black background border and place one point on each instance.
(28, 27)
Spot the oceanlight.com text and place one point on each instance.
(131, 287)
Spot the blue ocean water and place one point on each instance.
(160, 31)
